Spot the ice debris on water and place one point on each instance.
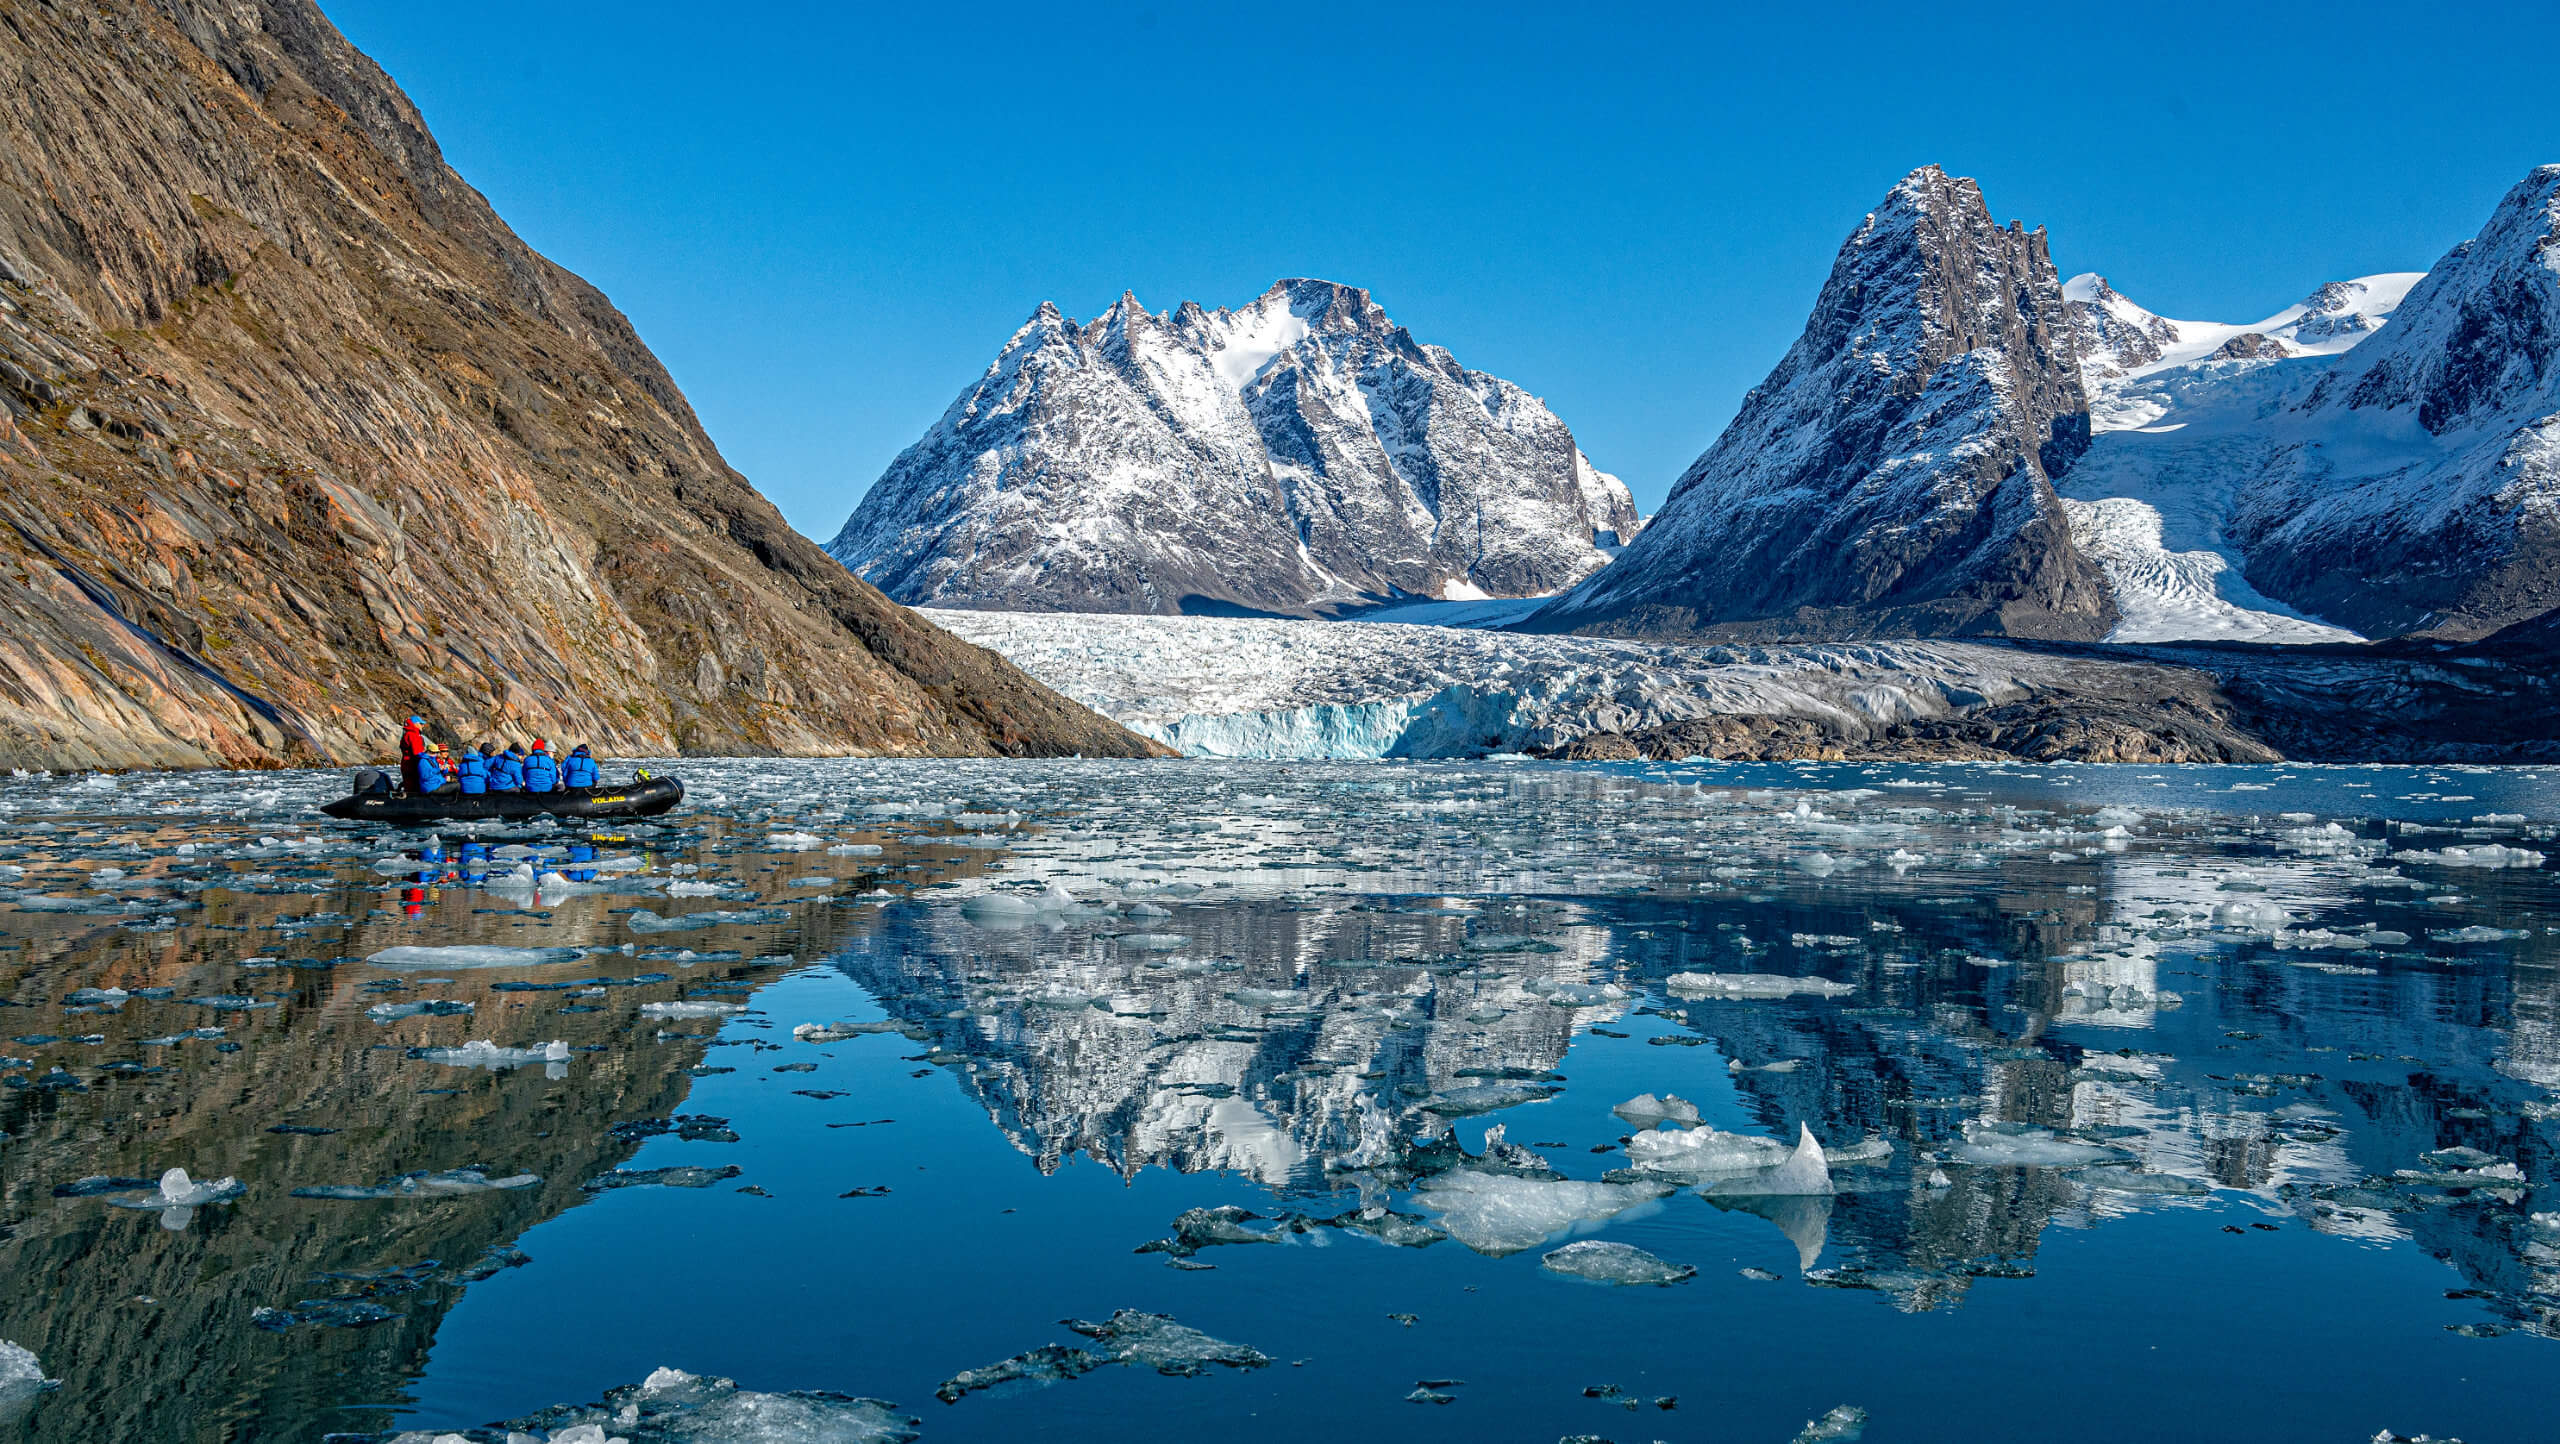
(482, 1053)
(177, 1197)
(691, 1008)
(473, 957)
(838, 1032)
(1497, 1214)
(1755, 985)
(678, 1176)
(445, 1183)
(1847, 1421)
(2010, 1145)
(674, 1407)
(22, 1381)
(1734, 1164)
(1152, 1341)
(1607, 1262)
(424, 1008)
(1645, 1111)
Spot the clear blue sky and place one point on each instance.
(826, 218)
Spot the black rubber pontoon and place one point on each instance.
(639, 799)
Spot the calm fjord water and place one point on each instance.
(2158, 1103)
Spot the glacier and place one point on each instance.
(1275, 688)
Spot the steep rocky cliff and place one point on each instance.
(1893, 475)
(296, 435)
(1302, 454)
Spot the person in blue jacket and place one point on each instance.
(426, 772)
(541, 770)
(578, 769)
(472, 766)
(506, 771)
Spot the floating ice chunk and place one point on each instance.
(1997, 1145)
(2478, 934)
(1848, 1421)
(1755, 985)
(854, 849)
(1703, 1153)
(1154, 1341)
(1645, 1111)
(424, 1008)
(691, 1008)
(448, 1183)
(2486, 855)
(674, 1407)
(482, 1053)
(21, 1381)
(838, 1032)
(1498, 1214)
(1477, 1098)
(473, 956)
(1606, 1262)
(229, 1003)
(178, 1197)
(679, 1176)
(1152, 942)
(794, 841)
(683, 888)
(95, 998)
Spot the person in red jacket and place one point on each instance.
(413, 745)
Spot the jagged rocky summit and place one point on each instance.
(296, 435)
(1302, 455)
(2381, 459)
(1893, 475)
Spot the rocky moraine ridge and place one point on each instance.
(295, 435)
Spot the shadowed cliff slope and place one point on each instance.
(296, 434)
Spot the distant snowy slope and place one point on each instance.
(1228, 687)
(2384, 456)
(1300, 455)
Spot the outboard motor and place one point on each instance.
(369, 780)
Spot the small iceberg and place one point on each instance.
(1604, 1262)
(473, 957)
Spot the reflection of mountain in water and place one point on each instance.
(152, 1329)
(2140, 1015)
(1258, 1037)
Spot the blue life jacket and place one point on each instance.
(578, 769)
(541, 773)
(475, 772)
(506, 773)
(424, 774)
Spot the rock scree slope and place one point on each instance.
(295, 434)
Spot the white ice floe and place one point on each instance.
(2486, 855)
(1498, 1214)
(482, 1053)
(1644, 1110)
(472, 956)
(1755, 985)
(691, 1008)
(21, 1381)
(2009, 1146)
(1606, 1262)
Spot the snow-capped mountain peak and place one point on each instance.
(2121, 339)
(1298, 454)
(1892, 475)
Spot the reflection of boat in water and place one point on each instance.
(645, 798)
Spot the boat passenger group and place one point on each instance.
(427, 767)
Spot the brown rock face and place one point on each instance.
(296, 436)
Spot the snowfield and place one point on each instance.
(1236, 687)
